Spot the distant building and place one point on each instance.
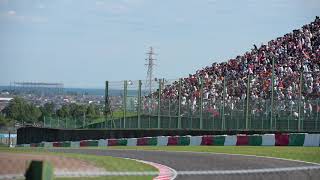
(4, 101)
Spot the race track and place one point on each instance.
(203, 166)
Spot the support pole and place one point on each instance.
(159, 105)
(317, 119)
(125, 86)
(223, 118)
(300, 98)
(169, 126)
(179, 104)
(106, 103)
(272, 96)
(201, 103)
(139, 104)
(248, 98)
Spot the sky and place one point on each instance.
(82, 43)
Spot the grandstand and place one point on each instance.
(272, 87)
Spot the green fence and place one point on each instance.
(220, 103)
(66, 123)
(269, 101)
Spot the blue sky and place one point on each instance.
(82, 43)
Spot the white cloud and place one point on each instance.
(118, 6)
(112, 7)
(12, 15)
(40, 6)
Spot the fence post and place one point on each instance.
(247, 101)
(124, 102)
(299, 103)
(201, 103)
(139, 103)
(169, 126)
(106, 103)
(223, 123)
(317, 109)
(179, 104)
(272, 95)
(44, 121)
(159, 104)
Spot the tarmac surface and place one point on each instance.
(203, 166)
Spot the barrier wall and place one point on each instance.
(283, 139)
(27, 135)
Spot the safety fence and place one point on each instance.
(65, 123)
(281, 139)
(225, 104)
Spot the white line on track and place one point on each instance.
(171, 175)
(248, 171)
(247, 155)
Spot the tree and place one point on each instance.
(18, 109)
(64, 112)
(3, 121)
(48, 110)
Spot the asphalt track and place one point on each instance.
(203, 166)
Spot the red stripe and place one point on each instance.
(242, 140)
(112, 142)
(142, 141)
(282, 139)
(207, 140)
(172, 140)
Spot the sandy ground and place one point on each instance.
(16, 163)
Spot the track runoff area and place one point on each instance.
(202, 165)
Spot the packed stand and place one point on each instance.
(294, 53)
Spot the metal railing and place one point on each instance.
(248, 104)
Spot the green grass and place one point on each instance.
(106, 162)
(310, 154)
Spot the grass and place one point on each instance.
(309, 154)
(106, 162)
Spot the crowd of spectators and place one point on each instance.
(296, 57)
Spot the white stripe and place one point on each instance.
(195, 140)
(11, 176)
(173, 173)
(150, 173)
(230, 140)
(248, 171)
(132, 142)
(311, 140)
(162, 140)
(268, 140)
(102, 142)
(248, 155)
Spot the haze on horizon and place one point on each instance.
(82, 43)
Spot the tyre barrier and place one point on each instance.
(280, 139)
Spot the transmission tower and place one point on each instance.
(150, 64)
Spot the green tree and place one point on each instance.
(64, 111)
(48, 109)
(18, 109)
(3, 121)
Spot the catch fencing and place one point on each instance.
(254, 104)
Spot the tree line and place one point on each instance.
(20, 111)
